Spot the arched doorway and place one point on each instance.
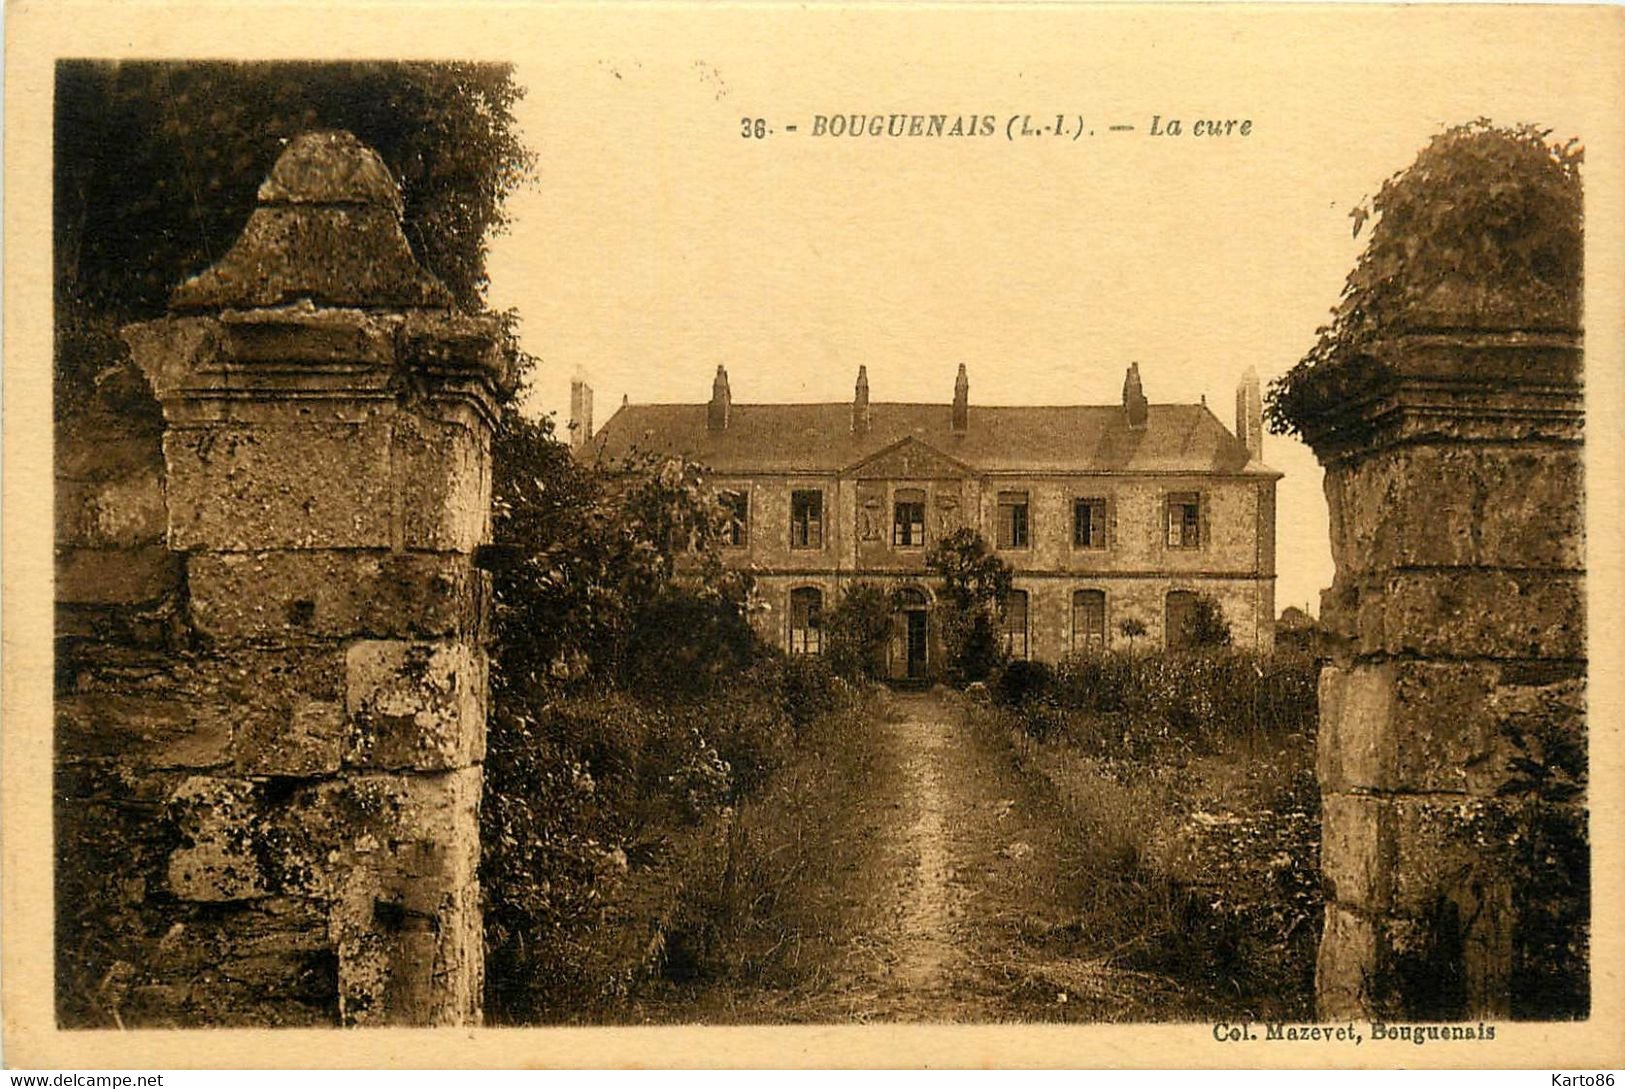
(910, 650)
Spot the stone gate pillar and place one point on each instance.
(1454, 478)
(327, 470)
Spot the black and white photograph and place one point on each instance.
(900, 518)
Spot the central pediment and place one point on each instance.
(909, 459)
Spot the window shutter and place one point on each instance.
(1111, 521)
(1203, 504)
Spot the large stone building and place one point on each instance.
(1106, 513)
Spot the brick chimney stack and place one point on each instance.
(1250, 415)
(860, 403)
(1134, 402)
(961, 401)
(716, 415)
(580, 413)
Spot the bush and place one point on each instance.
(974, 584)
(811, 689)
(857, 631)
(1185, 699)
(1022, 682)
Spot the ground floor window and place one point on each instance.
(1015, 624)
(1089, 620)
(806, 621)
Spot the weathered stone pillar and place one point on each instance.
(1454, 477)
(326, 465)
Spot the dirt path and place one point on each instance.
(959, 898)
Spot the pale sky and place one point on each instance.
(657, 242)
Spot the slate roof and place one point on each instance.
(817, 438)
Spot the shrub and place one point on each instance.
(1206, 626)
(857, 631)
(1187, 699)
(1488, 222)
(1023, 682)
(973, 584)
(810, 689)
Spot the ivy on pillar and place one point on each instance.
(1450, 430)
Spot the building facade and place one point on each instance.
(1113, 517)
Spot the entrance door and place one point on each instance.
(916, 643)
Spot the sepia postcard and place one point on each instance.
(817, 535)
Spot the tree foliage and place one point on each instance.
(1205, 626)
(589, 588)
(858, 630)
(1485, 227)
(974, 586)
(157, 164)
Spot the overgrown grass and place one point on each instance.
(775, 914)
(1192, 781)
(607, 818)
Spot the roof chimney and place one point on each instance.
(860, 403)
(1250, 415)
(716, 415)
(1134, 402)
(580, 413)
(961, 401)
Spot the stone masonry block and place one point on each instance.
(1408, 725)
(237, 488)
(413, 833)
(1492, 614)
(1356, 708)
(1446, 848)
(219, 862)
(1343, 969)
(445, 483)
(415, 705)
(1356, 850)
(1442, 738)
(404, 930)
(115, 576)
(1465, 506)
(142, 729)
(327, 594)
(127, 512)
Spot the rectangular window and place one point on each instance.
(1015, 624)
(1089, 620)
(1184, 517)
(807, 519)
(1013, 527)
(736, 531)
(1088, 523)
(806, 621)
(908, 518)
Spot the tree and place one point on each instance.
(1486, 227)
(157, 165)
(974, 586)
(597, 569)
(858, 630)
(1132, 629)
(1205, 627)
